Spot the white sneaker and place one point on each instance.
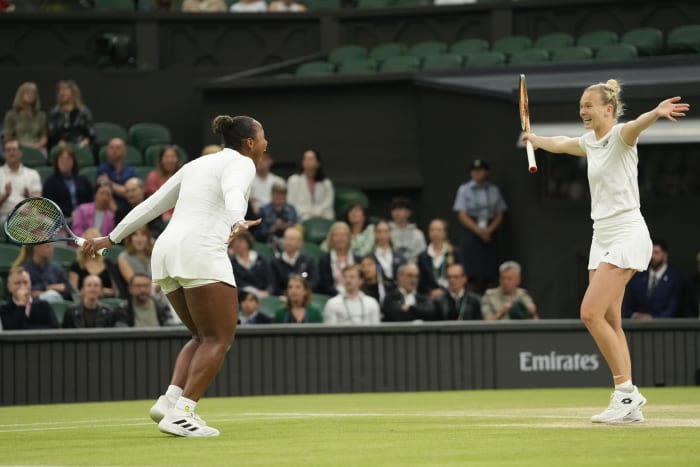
(163, 406)
(635, 416)
(185, 425)
(622, 404)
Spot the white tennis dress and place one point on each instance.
(210, 194)
(620, 235)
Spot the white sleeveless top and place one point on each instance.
(612, 173)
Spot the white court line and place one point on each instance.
(575, 421)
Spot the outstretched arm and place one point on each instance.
(555, 144)
(669, 108)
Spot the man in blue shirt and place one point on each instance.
(115, 170)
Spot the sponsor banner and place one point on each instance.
(549, 359)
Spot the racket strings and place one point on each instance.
(34, 221)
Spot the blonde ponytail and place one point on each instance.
(610, 94)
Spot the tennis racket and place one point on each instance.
(525, 124)
(39, 220)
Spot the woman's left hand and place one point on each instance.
(671, 108)
(239, 227)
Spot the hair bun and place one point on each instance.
(614, 85)
(221, 123)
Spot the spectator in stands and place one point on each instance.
(292, 6)
(331, 264)
(25, 121)
(211, 149)
(168, 163)
(292, 261)
(361, 230)
(434, 260)
(299, 308)
(70, 122)
(508, 300)
(134, 195)
(406, 237)
(89, 312)
(405, 303)
(309, 191)
(249, 6)
(65, 186)
(142, 308)
(388, 259)
(458, 303)
(203, 6)
(249, 309)
(352, 306)
(479, 207)
(22, 311)
(114, 170)
(136, 257)
(17, 182)
(261, 189)
(373, 282)
(98, 214)
(49, 279)
(277, 216)
(94, 265)
(159, 6)
(7, 6)
(250, 269)
(656, 292)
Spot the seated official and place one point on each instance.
(23, 311)
(457, 303)
(90, 313)
(249, 309)
(292, 261)
(299, 308)
(142, 309)
(352, 306)
(508, 301)
(435, 259)
(405, 303)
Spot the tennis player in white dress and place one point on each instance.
(621, 243)
(190, 263)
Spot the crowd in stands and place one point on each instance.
(306, 263)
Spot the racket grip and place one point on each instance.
(531, 162)
(81, 241)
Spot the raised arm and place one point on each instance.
(669, 108)
(555, 144)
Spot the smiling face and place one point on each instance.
(593, 112)
(258, 145)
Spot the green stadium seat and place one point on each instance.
(63, 254)
(425, 48)
(83, 155)
(411, 3)
(322, 4)
(648, 41)
(448, 61)
(90, 173)
(388, 49)
(469, 46)
(105, 131)
(8, 253)
(315, 68)
(571, 54)
(319, 300)
(485, 59)
(358, 66)
(345, 196)
(133, 155)
(59, 309)
(264, 250)
(114, 5)
(363, 4)
(346, 52)
(316, 229)
(145, 134)
(509, 44)
(44, 172)
(142, 171)
(113, 303)
(594, 40)
(270, 304)
(150, 157)
(33, 157)
(401, 64)
(529, 57)
(554, 40)
(113, 253)
(617, 52)
(684, 39)
(312, 250)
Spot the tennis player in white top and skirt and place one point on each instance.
(621, 244)
(191, 265)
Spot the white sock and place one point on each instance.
(185, 406)
(173, 393)
(627, 386)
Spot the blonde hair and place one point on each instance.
(610, 94)
(17, 103)
(338, 225)
(75, 91)
(129, 244)
(211, 149)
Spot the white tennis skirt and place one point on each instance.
(622, 240)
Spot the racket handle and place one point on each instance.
(80, 241)
(531, 162)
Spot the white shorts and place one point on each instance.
(622, 240)
(171, 284)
